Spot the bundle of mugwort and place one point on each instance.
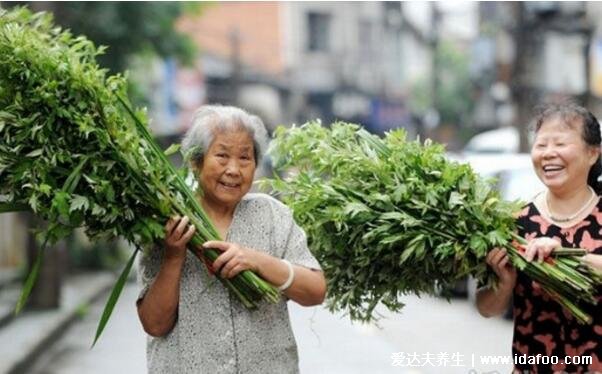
(388, 216)
(74, 152)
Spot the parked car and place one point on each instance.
(513, 172)
(502, 140)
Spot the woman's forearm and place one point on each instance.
(491, 303)
(308, 287)
(158, 309)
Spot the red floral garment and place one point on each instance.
(542, 326)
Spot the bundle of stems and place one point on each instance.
(74, 152)
(388, 216)
(564, 276)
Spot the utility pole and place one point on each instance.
(532, 30)
(434, 42)
(236, 64)
(432, 117)
(522, 91)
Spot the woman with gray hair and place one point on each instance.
(194, 324)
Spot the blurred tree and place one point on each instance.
(454, 89)
(127, 28)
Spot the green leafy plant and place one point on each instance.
(387, 217)
(74, 152)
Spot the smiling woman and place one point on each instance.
(566, 158)
(227, 157)
(195, 326)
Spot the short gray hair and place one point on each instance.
(211, 119)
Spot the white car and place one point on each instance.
(513, 171)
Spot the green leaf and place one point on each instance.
(35, 153)
(455, 199)
(354, 208)
(110, 305)
(496, 237)
(394, 216)
(31, 278)
(79, 202)
(60, 202)
(73, 178)
(172, 149)
(45, 189)
(478, 243)
(405, 255)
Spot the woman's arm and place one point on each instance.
(158, 309)
(492, 302)
(308, 287)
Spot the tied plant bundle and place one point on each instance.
(387, 217)
(75, 153)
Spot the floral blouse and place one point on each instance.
(214, 332)
(541, 325)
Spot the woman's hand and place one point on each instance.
(308, 286)
(499, 261)
(234, 258)
(494, 302)
(177, 235)
(540, 248)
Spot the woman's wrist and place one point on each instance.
(172, 261)
(291, 276)
(273, 269)
(506, 286)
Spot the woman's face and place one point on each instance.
(228, 167)
(561, 157)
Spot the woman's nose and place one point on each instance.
(233, 167)
(549, 151)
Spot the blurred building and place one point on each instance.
(294, 61)
(530, 52)
(242, 56)
(594, 17)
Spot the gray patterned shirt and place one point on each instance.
(214, 332)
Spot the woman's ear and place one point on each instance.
(197, 166)
(594, 155)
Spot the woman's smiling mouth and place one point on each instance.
(552, 170)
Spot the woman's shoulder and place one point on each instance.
(525, 211)
(256, 200)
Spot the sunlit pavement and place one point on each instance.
(414, 341)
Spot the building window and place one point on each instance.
(318, 25)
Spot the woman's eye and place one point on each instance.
(221, 155)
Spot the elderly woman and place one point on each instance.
(566, 157)
(194, 323)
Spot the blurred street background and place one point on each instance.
(466, 74)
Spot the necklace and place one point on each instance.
(573, 216)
